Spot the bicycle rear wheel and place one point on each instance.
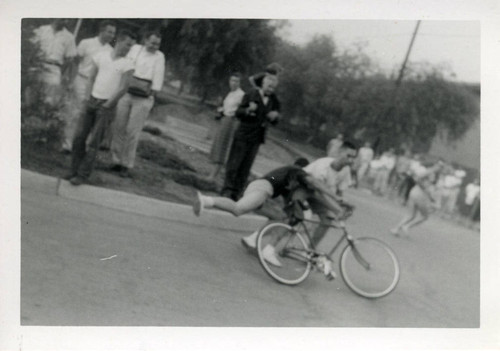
(369, 267)
(292, 252)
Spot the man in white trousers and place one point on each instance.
(132, 109)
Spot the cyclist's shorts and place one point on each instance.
(260, 185)
(318, 208)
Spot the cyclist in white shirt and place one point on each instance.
(335, 173)
(332, 173)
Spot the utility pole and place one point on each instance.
(403, 66)
(77, 27)
(390, 104)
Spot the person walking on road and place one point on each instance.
(228, 124)
(108, 80)
(134, 107)
(259, 108)
(420, 201)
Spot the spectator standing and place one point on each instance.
(365, 156)
(451, 188)
(259, 108)
(415, 170)
(386, 164)
(59, 50)
(472, 191)
(134, 107)
(402, 169)
(229, 123)
(86, 49)
(108, 80)
(334, 145)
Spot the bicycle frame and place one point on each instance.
(345, 236)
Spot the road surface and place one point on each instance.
(83, 264)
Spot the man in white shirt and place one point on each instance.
(451, 188)
(228, 124)
(334, 145)
(365, 156)
(108, 80)
(387, 163)
(132, 109)
(472, 191)
(86, 49)
(335, 173)
(58, 48)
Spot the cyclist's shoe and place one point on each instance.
(325, 266)
(331, 276)
(77, 180)
(198, 204)
(395, 232)
(248, 243)
(270, 256)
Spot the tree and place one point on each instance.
(325, 91)
(203, 52)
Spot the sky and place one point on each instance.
(453, 43)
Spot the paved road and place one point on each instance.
(168, 273)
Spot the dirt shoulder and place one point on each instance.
(165, 168)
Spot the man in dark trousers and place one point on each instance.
(258, 109)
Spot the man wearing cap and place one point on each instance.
(259, 108)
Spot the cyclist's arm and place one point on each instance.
(322, 188)
(328, 197)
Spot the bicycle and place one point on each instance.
(368, 266)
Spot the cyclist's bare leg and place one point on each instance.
(249, 202)
(319, 206)
(321, 229)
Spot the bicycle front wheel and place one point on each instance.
(289, 248)
(369, 267)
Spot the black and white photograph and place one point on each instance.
(281, 174)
